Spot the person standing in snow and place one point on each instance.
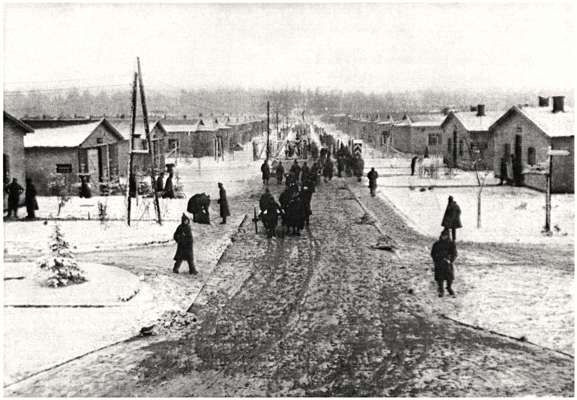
(14, 192)
(223, 202)
(413, 165)
(265, 169)
(296, 170)
(279, 173)
(452, 218)
(373, 176)
(168, 188)
(30, 199)
(444, 253)
(184, 251)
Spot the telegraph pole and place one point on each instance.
(130, 147)
(148, 139)
(277, 132)
(267, 130)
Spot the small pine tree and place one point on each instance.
(60, 264)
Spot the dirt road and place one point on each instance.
(322, 314)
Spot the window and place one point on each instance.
(519, 129)
(531, 156)
(434, 139)
(64, 168)
(99, 140)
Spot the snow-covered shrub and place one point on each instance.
(60, 187)
(60, 265)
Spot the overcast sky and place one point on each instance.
(369, 47)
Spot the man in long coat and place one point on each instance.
(30, 199)
(307, 195)
(358, 167)
(223, 202)
(265, 169)
(413, 164)
(373, 176)
(328, 169)
(14, 192)
(452, 218)
(168, 188)
(305, 171)
(444, 253)
(184, 249)
(296, 170)
(279, 173)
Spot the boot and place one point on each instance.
(450, 291)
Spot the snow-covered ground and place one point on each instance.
(39, 337)
(46, 326)
(508, 214)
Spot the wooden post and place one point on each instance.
(130, 147)
(148, 139)
(548, 194)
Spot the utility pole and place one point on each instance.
(267, 130)
(130, 147)
(550, 154)
(277, 132)
(148, 139)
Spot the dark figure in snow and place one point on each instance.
(358, 167)
(30, 199)
(223, 202)
(198, 206)
(85, 189)
(269, 216)
(296, 170)
(444, 253)
(503, 171)
(168, 188)
(265, 199)
(279, 172)
(307, 195)
(295, 213)
(340, 165)
(265, 169)
(328, 169)
(14, 191)
(413, 165)
(305, 172)
(373, 176)
(184, 249)
(160, 184)
(452, 218)
(316, 173)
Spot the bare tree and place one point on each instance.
(482, 171)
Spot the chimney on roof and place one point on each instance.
(543, 101)
(558, 104)
(480, 110)
(199, 115)
(473, 108)
(183, 117)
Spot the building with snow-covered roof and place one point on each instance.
(91, 150)
(466, 137)
(14, 160)
(522, 137)
(414, 133)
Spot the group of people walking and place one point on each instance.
(294, 205)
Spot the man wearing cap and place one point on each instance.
(184, 250)
(444, 253)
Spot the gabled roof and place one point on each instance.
(559, 124)
(16, 121)
(67, 136)
(123, 126)
(473, 123)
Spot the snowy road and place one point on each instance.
(319, 315)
